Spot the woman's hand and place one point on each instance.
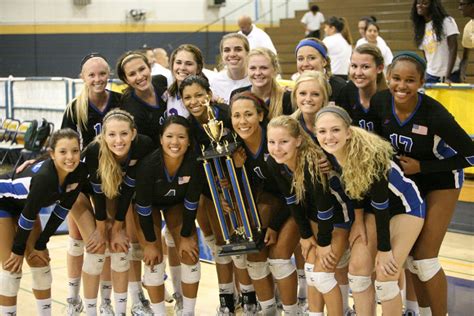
(14, 263)
(324, 165)
(357, 231)
(239, 156)
(385, 262)
(306, 245)
(119, 241)
(271, 237)
(96, 241)
(41, 255)
(189, 246)
(327, 257)
(409, 165)
(152, 254)
(24, 165)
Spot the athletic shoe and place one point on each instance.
(250, 310)
(74, 306)
(106, 308)
(349, 312)
(178, 303)
(142, 308)
(223, 311)
(410, 312)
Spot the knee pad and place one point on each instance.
(9, 283)
(359, 283)
(426, 268)
(324, 281)
(190, 274)
(42, 278)
(222, 260)
(154, 275)
(344, 261)
(258, 269)
(386, 290)
(119, 262)
(76, 247)
(169, 240)
(240, 261)
(409, 265)
(211, 243)
(136, 252)
(308, 269)
(281, 268)
(93, 263)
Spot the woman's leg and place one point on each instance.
(190, 267)
(404, 230)
(361, 266)
(10, 282)
(324, 280)
(431, 284)
(283, 270)
(315, 298)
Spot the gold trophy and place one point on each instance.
(241, 226)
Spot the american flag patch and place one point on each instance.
(419, 129)
(183, 180)
(71, 187)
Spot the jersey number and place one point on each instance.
(368, 126)
(401, 142)
(98, 128)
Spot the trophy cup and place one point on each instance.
(241, 226)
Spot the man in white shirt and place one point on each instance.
(157, 69)
(312, 21)
(256, 37)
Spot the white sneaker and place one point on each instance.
(302, 309)
(178, 303)
(250, 310)
(74, 306)
(106, 308)
(142, 308)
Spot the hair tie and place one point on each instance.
(307, 42)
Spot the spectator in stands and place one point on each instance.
(372, 37)
(161, 56)
(338, 40)
(362, 24)
(256, 37)
(436, 33)
(156, 68)
(312, 21)
(312, 54)
(467, 9)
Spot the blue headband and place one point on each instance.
(307, 42)
(413, 56)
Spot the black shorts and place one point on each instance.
(438, 181)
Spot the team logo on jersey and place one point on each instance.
(419, 129)
(132, 162)
(171, 192)
(37, 166)
(259, 172)
(184, 179)
(71, 187)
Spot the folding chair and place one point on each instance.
(9, 138)
(18, 142)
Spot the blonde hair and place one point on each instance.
(368, 157)
(276, 96)
(110, 171)
(80, 113)
(320, 79)
(307, 157)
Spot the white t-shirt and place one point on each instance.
(468, 35)
(175, 106)
(157, 69)
(437, 53)
(313, 21)
(222, 85)
(258, 38)
(340, 53)
(384, 49)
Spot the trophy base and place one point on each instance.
(239, 245)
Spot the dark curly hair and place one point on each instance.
(437, 15)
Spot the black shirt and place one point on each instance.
(349, 99)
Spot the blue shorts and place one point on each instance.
(346, 225)
(5, 214)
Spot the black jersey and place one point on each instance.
(34, 188)
(94, 118)
(141, 146)
(349, 99)
(305, 128)
(148, 118)
(391, 195)
(337, 84)
(319, 204)
(430, 135)
(221, 113)
(157, 188)
(286, 102)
